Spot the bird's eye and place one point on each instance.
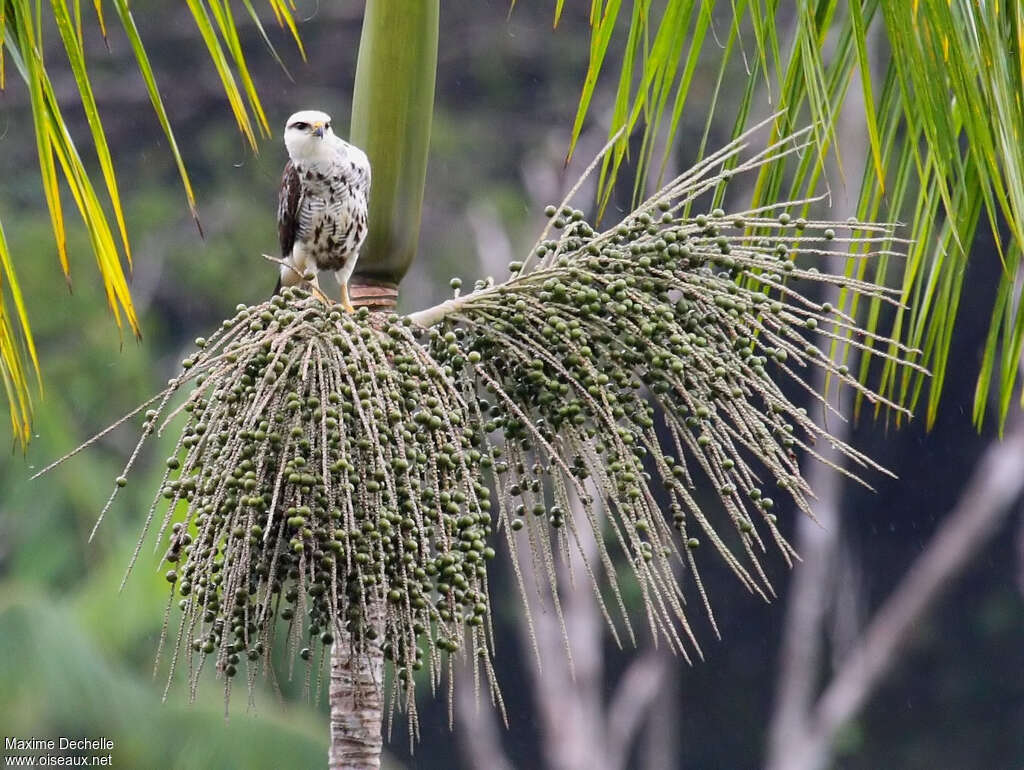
(327, 124)
(298, 124)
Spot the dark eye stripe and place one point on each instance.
(299, 125)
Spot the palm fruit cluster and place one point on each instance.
(327, 479)
(345, 478)
(636, 369)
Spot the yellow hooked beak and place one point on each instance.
(318, 130)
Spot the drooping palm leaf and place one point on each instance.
(944, 132)
(148, 77)
(71, 37)
(61, 165)
(216, 51)
(15, 342)
(56, 148)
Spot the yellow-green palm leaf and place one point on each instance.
(63, 169)
(944, 129)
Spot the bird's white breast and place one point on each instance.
(332, 212)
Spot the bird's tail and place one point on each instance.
(277, 289)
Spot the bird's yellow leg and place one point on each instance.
(346, 302)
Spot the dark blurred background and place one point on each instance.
(77, 656)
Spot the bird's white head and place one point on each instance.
(308, 136)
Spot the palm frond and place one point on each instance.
(21, 39)
(950, 108)
(17, 349)
(215, 49)
(57, 148)
(71, 37)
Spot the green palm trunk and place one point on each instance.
(392, 109)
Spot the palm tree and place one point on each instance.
(915, 128)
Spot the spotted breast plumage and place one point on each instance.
(322, 208)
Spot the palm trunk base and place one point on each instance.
(357, 704)
(378, 296)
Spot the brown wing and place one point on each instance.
(288, 208)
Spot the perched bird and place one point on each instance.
(321, 214)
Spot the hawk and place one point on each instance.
(321, 214)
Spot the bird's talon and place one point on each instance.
(318, 293)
